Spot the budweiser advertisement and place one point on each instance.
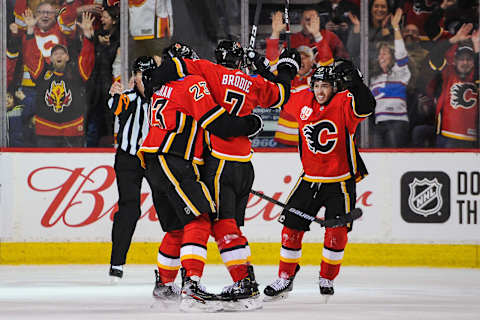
(407, 197)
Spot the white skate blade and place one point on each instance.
(165, 300)
(165, 305)
(248, 304)
(114, 280)
(192, 305)
(281, 296)
(326, 298)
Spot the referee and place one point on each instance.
(131, 107)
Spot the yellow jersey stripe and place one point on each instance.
(179, 190)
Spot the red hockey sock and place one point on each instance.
(291, 251)
(168, 259)
(231, 244)
(333, 247)
(193, 253)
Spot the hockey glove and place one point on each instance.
(255, 125)
(289, 60)
(259, 62)
(346, 73)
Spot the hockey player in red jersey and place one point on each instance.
(228, 172)
(179, 111)
(328, 114)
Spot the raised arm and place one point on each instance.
(86, 58)
(170, 69)
(351, 79)
(33, 60)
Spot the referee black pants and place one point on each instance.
(129, 174)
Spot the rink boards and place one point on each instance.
(419, 209)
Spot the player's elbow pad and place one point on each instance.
(284, 78)
(169, 70)
(227, 126)
(364, 100)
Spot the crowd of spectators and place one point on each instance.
(63, 55)
(423, 66)
(60, 61)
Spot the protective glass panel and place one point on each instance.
(423, 78)
(53, 77)
(422, 72)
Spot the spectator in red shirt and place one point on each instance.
(327, 44)
(457, 100)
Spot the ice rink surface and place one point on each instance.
(361, 293)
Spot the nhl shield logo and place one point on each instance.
(425, 196)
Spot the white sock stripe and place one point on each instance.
(193, 250)
(248, 251)
(237, 254)
(169, 262)
(290, 254)
(332, 255)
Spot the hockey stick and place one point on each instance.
(287, 23)
(256, 20)
(330, 223)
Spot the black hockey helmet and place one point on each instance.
(143, 63)
(229, 53)
(324, 73)
(180, 50)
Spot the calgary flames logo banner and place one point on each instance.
(57, 97)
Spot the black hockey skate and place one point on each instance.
(167, 292)
(195, 298)
(280, 288)
(115, 274)
(326, 288)
(242, 295)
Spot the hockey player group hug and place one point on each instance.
(186, 126)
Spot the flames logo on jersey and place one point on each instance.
(57, 97)
(321, 137)
(463, 95)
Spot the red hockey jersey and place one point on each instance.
(238, 93)
(287, 126)
(178, 112)
(327, 148)
(457, 106)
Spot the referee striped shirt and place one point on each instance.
(132, 111)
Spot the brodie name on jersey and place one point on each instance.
(236, 81)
